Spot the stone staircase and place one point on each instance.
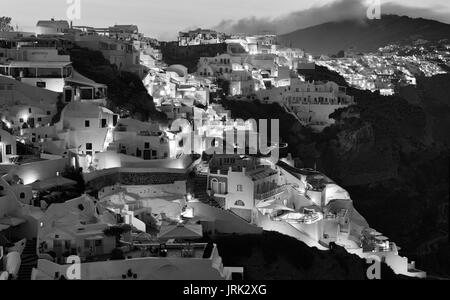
(29, 260)
(200, 187)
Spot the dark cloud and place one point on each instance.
(334, 11)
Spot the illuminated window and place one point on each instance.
(239, 203)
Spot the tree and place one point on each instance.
(5, 24)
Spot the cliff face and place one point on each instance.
(432, 94)
(391, 154)
(126, 92)
(273, 256)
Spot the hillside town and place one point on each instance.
(83, 181)
(392, 67)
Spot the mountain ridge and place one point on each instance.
(364, 35)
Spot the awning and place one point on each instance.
(82, 80)
(12, 221)
(94, 238)
(181, 232)
(37, 64)
(49, 183)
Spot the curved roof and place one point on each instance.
(181, 70)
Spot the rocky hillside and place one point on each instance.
(273, 256)
(126, 93)
(391, 154)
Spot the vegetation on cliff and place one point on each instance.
(126, 92)
(390, 153)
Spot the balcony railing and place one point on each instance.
(271, 193)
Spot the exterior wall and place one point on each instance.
(273, 95)
(19, 115)
(287, 229)
(109, 177)
(7, 141)
(35, 54)
(149, 268)
(129, 143)
(15, 93)
(40, 170)
(242, 87)
(96, 137)
(23, 193)
(146, 191)
(35, 135)
(246, 195)
(220, 65)
(52, 84)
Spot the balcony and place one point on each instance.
(269, 194)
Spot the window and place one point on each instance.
(22, 195)
(87, 123)
(41, 84)
(88, 146)
(147, 145)
(154, 153)
(49, 112)
(39, 119)
(214, 185)
(239, 203)
(21, 120)
(239, 188)
(8, 150)
(49, 73)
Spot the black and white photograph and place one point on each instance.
(236, 141)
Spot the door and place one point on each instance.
(147, 154)
(98, 246)
(68, 95)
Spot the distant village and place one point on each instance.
(130, 199)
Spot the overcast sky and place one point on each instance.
(164, 18)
